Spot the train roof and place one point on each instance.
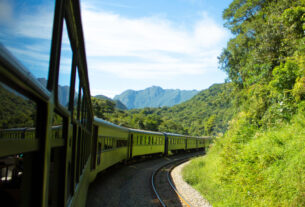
(109, 124)
(187, 136)
(100, 121)
(144, 131)
(174, 134)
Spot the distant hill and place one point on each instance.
(118, 103)
(63, 92)
(154, 96)
(206, 113)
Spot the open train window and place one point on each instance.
(17, 115)
(80, 103)
(18, 142)
(99, 151)
(64, 79)
(11, 179)
(57, 130)
(26, 31)
(76, 93)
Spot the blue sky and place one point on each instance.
(130, 44)
(134, 44)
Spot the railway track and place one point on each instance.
(164, 188)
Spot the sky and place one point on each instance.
(130, 44)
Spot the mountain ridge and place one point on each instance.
(154, 96)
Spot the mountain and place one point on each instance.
(118, 103)
(154, 96)
(63, 91)
(208, 112)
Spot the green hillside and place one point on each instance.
(260, 159)
(118, 103)
(207, 113)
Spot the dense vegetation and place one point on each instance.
(118, 104)
(16, 110)
(207, 113)
(260, 159)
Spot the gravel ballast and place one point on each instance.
(190, 194)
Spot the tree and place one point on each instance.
(210, 125)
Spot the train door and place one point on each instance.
(130, 146)
(94, 147)
(166, 145)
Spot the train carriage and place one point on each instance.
(146, 142)
(202, 142)
(176, 142)
(191, 142)
(111, 144)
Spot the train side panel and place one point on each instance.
(147, 143)
(191, 143)
(176, 143)
(111, 145)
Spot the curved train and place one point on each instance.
(114, 144)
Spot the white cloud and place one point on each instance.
(6, 11)
(150, 47)
(108, 93)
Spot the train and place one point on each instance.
(110, 144)
(113, 144)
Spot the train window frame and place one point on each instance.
(64, 33)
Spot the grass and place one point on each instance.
(266, 170)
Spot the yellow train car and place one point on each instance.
(145, 142)
(191, 142)
(111, 144)
(176, 142)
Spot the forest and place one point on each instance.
(260, 160)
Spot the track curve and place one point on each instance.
(164, 188)
(128, 185)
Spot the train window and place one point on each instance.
(121, 143)
(57, 181)
(17, 115)
(114, 143)
(99, 150)
(76, 93)
(83, 110)
(80, 103)
(26, 31)
(64, 78)
(57, 126)
(11, 177)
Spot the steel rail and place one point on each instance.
(174, 163)
(172, 185)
